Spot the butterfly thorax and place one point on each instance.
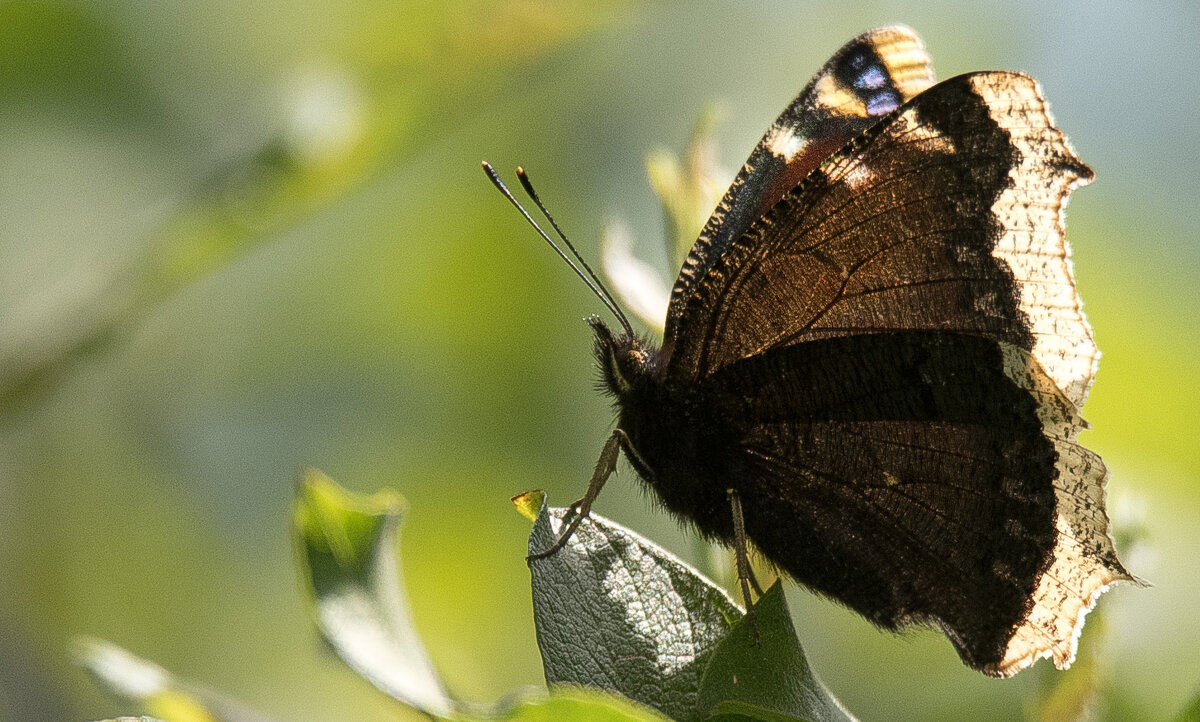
(677, 435)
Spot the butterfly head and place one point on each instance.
(627, 363)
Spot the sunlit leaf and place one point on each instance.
(688, 191)
(348, 546)
(616, 611)
(642, 287)
(530, 504)
(154, 689)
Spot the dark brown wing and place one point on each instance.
(924, 477)
(866, 79)
(945, 216)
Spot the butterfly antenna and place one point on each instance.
(528, 186)
(590, 278)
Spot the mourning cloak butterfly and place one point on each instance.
(875, 357)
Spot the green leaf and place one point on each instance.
(615, 611)
(154, 689)
(579, 703)
(1073, 694)
(733, 711)
(1191, 710)
(688, 189)
(772, 675)
(348, 546)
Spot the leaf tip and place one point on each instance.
(529, 504)
(319, 493)
(328, 518)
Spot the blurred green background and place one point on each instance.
(237, 238)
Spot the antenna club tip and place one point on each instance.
(521, 172)
(491, 173)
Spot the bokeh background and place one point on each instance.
(237, 238)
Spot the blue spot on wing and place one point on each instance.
(883, 102)
(873, 77)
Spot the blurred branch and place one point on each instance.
(400, 78)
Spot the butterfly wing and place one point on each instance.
(946, 216)
(924, 477)
(901, 341)
(866, 79)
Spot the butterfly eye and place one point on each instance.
(624, 367)
(627, 363)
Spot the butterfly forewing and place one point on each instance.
(945, 216)
(868, 78)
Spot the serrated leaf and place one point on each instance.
(348, 546)
(154, 689)
(616, 611)
(773, 674)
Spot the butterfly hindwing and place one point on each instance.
(869, 77)
(912, 476)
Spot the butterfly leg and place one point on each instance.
(744, 572)
(758, 591)
(581, 508)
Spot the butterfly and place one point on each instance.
(874, 360)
